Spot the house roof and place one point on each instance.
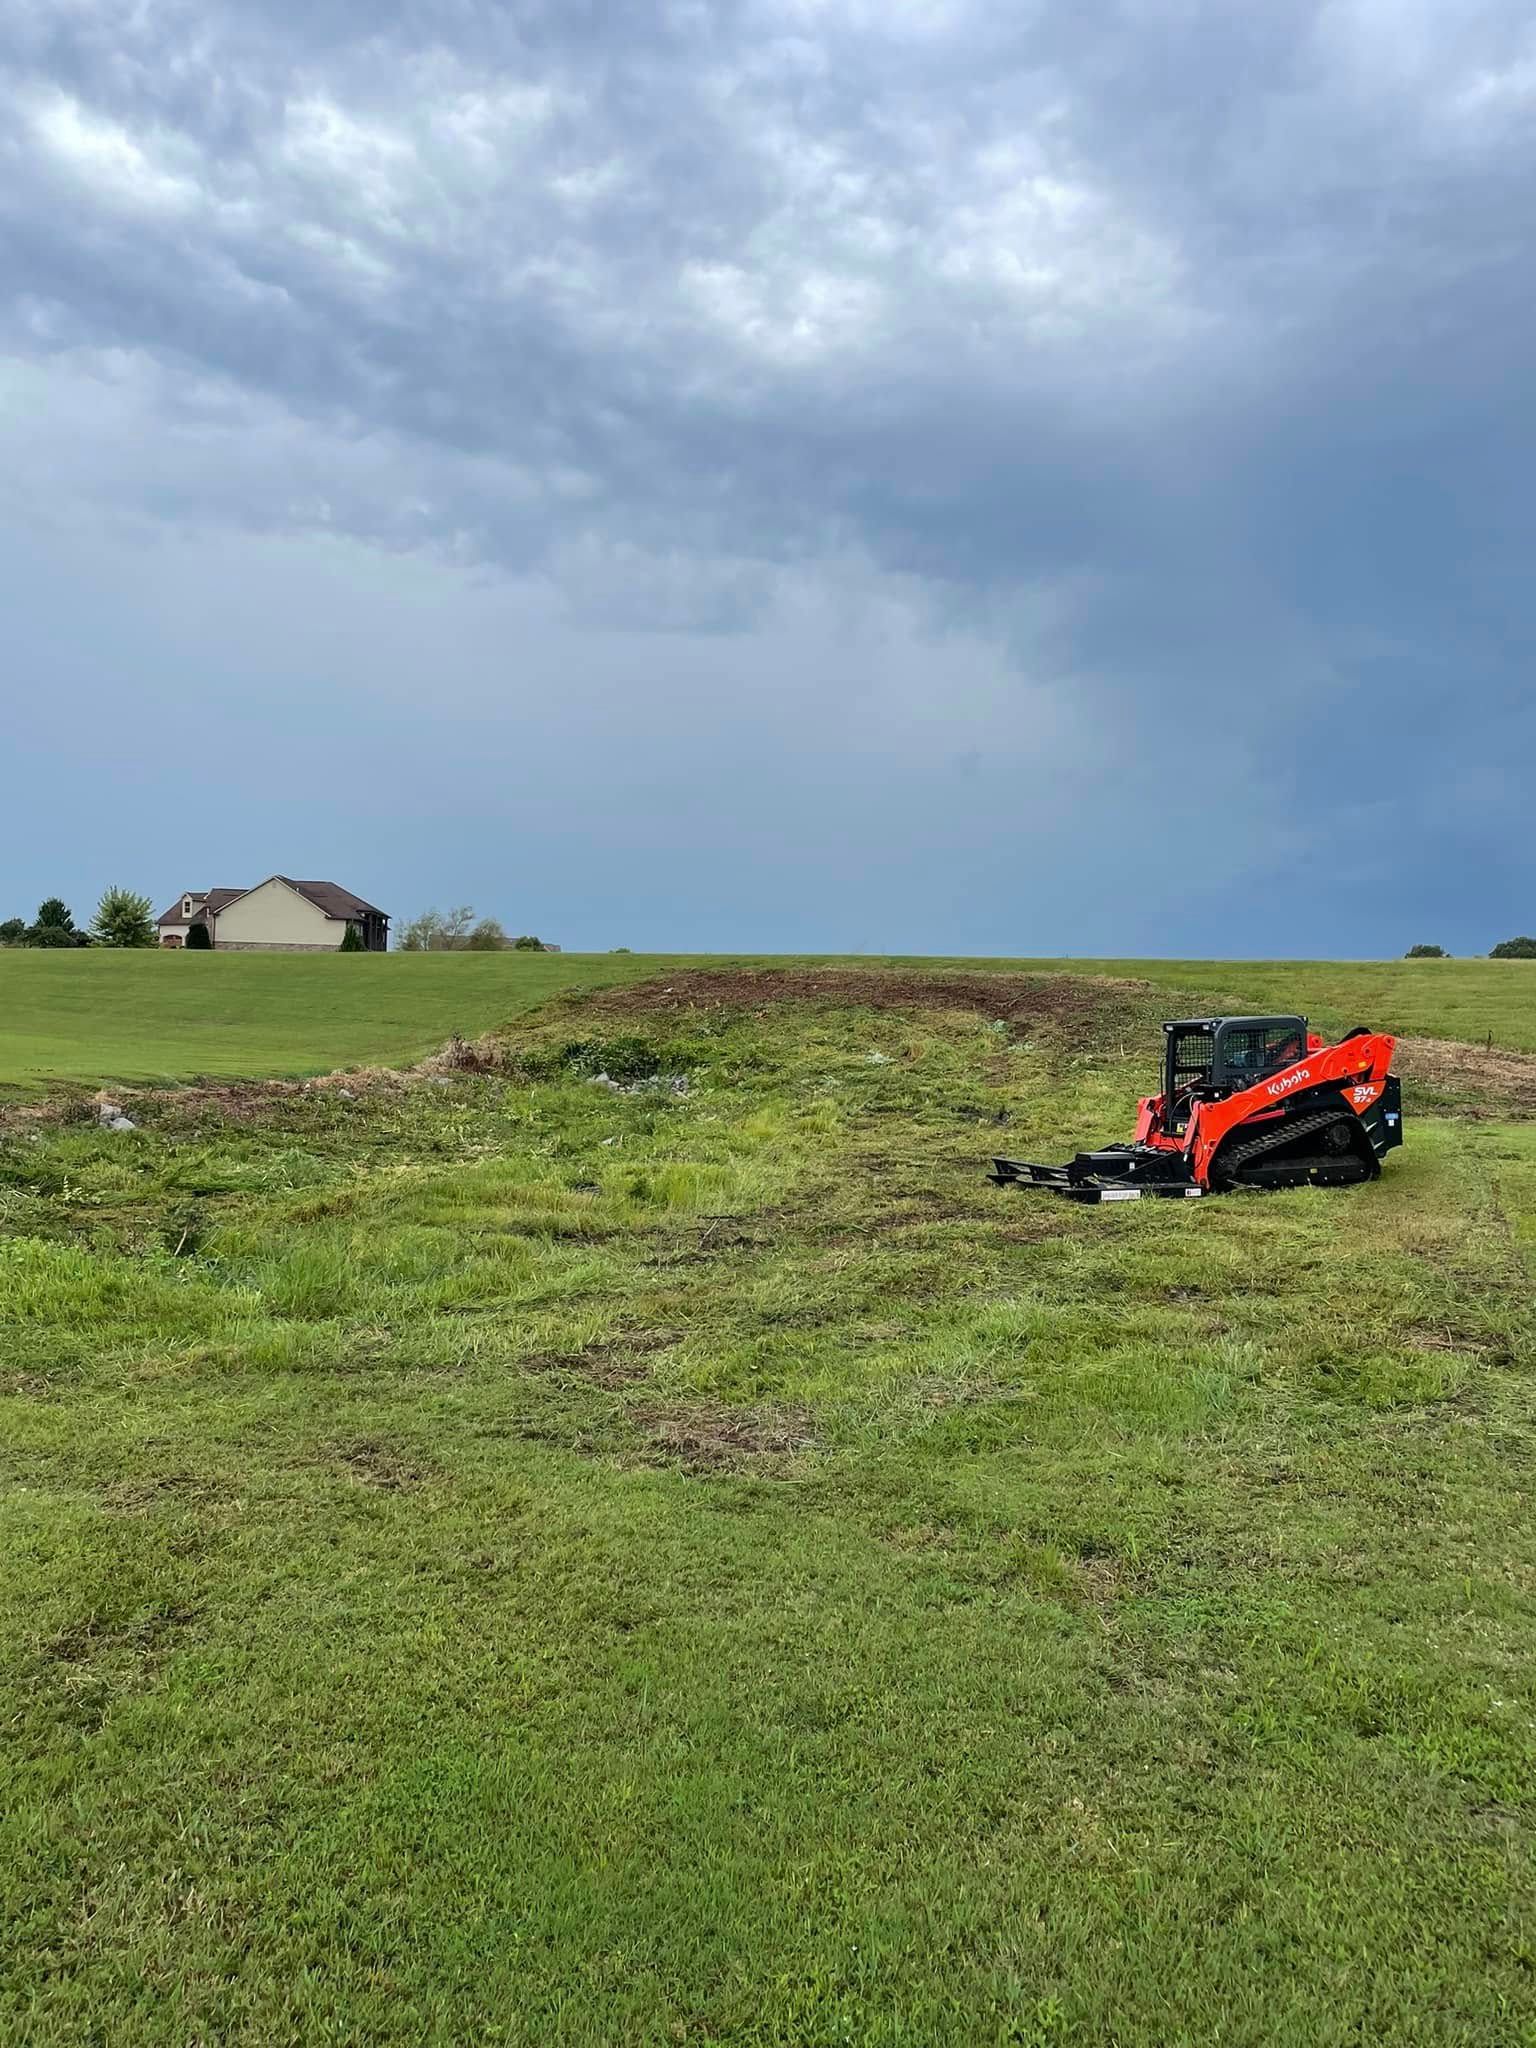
(211, 899)
(332, 898)
(328, 897)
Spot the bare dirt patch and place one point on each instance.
(1488, 1080)
(708, 1438)
(96, 1661)
(164, 1490)
(1063, 999)
(611, 1363)
(370, 1461)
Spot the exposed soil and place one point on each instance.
(614, 1362)
(713, 1438)
(1491, 1081)
(1064, 999)
(372, 1462)
(242, 1101)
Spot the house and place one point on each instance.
(277, 916)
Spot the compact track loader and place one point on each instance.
(1247, 1102)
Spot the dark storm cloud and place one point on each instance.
(1174, 351)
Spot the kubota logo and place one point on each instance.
(1286, 1082)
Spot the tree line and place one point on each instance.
(1506, 949)
(459, 931)
(123, 918)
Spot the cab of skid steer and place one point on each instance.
(1209, 1057)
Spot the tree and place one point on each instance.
(13, 931)
(528, 944)
(198, 939)
(123, 918)
(1514, 949)
(353, 942)
(437, 931)
(54, 925)
(1425, 953)
(487, 937)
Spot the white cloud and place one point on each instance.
(119, 171)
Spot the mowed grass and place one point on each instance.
(1475, 1000)
(94, 1017)
(97, 1016)
(499, 1561)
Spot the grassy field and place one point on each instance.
(91, 1017)
(1470, 999)
(97, 1016)
(496, 1560)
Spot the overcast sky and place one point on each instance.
(911, 475)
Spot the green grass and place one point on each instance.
(1468, 999)
(98, 1016)
(93, 1017)
(499, 1561)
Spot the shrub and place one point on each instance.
(528, 944)
(353, 941)
(1514, 949)
(1426, 953)
(198, 940)
(12, 931)
(54, 926)
(123, 919)
(487, 937)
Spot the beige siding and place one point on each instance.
(275, 917)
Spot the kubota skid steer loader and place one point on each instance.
(1247, 1102)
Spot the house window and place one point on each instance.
(186, 906)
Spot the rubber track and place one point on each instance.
(1288, 1133)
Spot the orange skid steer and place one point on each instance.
(1247, 1102)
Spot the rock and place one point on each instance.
(877, 1059)
(120, 1123)
(346, 1095)
(106, 1111)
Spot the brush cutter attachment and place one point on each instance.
(1119, 1173)
(1256, 1102)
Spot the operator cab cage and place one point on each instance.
(1207, 1058)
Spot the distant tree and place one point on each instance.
(1514, 949)
(487, 937)
(1426, 953)
(54, 925)
(123, 919)
(353, 942)
(528, 944)
(437, 931)
(198, 939)
(13, 931)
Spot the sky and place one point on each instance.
(959, 476)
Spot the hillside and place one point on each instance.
(494, 1559)
(92, 1017)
